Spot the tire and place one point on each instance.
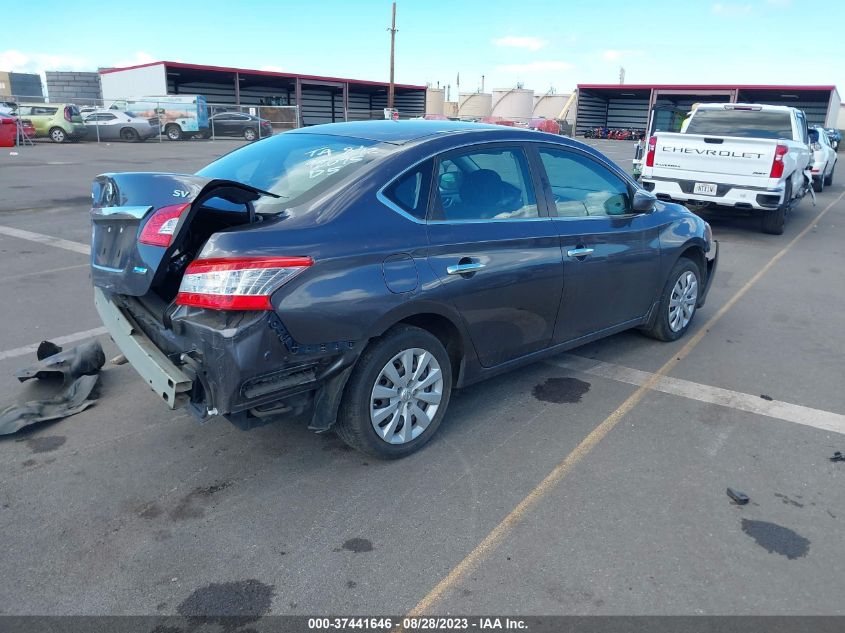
(130, 135)
(678, 301)
(250, 134)
(173, 132)
(775, 220)
(359, 410)
(828, 180)
(818, 183)
(58, 135)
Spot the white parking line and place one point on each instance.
(49, 240)
(816, 418)
(59, 340)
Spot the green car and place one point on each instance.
(60, 122)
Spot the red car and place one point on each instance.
(11, 121)
(545, 125)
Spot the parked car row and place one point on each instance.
(177, 117)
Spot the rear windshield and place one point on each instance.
(295, 166)
(743, 123)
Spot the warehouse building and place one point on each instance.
(630, 105)
(320, 99)
(21, 87)
(81, 88)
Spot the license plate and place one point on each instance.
(705, 188)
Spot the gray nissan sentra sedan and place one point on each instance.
(361, 271)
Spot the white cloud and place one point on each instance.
(721, 8)
(535, 67)
(17, 61)
(526, 42)
(273, 69)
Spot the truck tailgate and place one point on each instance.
(713, 155)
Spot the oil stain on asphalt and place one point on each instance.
(190, 506)
(561, 390)
(358, 545)
(229, 604)
(45, 444)
(776, 538)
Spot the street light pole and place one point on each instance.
(392, 30)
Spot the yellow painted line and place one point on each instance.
(492, 540)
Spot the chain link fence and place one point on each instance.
(133, 120)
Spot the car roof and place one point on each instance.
(399, 132)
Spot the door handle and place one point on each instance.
(463, 269)
(580, 252)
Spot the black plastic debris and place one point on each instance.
(72, 400)
(838, 456)
(82, 360)
(78, 368)
(47, 349)
(739, 498)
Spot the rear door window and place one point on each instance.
(485, 184)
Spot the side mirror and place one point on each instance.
(643, 201)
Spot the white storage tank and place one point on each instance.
(450, 109)
(434, 99)
(549, 105)
(516, 104)
(475, 105)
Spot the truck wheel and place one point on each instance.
(173, 132)
(397, 394)
(828, 180)
(775, 220)
(677, 302)
(57, 135)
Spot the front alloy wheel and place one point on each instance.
(683, 300)
(406, 396)
(678, 302)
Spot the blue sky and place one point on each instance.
(540, 43)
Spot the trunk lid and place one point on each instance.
(718, 155)
(122, 204)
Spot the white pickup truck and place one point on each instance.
(745, 156)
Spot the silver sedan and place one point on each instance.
(112, 125)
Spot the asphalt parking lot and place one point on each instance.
(590, 484)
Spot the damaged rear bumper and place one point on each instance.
(245, 367)
(163, 377)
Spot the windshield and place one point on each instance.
(295, 167)
(743, 123)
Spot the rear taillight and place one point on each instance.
(777, 162)
(159, 229)
(652, 146)
(237, 283)
(68, 114)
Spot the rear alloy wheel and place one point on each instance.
(397, 394)
(678, 301)
(130, 135)
(250, 134)
(173, 132)
(57, 135)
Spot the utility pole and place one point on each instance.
(392, 30)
